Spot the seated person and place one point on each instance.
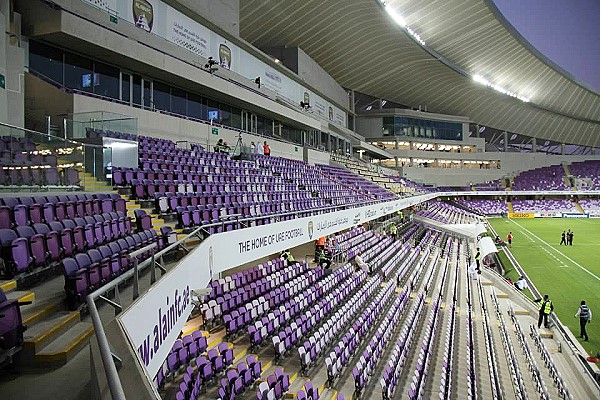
(521, 284)
(362, 264)
(219, 146)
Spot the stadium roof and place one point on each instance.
(364, 48)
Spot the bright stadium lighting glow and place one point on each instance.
(480, 79)
(395, 16)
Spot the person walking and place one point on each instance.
(509, 238)
(545, 308)
(562, 239)
(585, 317)
(570, 238)
(478, 259)
(393, 231)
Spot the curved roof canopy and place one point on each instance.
(365, 49)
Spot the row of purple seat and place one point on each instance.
(274, 388)
(261, 330)
(92, 269)
(311, 349)
(237, 315)
(417, 386)
(342, 353)
(26, 159)
(37, 175)
(26, 246)
(399, 354)
(28, 210)
(366, 365)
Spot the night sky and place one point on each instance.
(565, 31)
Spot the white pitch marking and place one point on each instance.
(558, 251)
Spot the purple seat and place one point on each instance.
(11, 324)
(37, 244)
(142, 220)
(51, 176)
(76, 280)
(53, 242)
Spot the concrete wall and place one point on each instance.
(317, 157)
(12, 106)
(311, 72)
(225, 14)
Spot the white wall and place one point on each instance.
(318, 157)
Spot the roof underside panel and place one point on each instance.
(363, 49)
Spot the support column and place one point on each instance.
(563, 149)
(505, 142)
(533, 145)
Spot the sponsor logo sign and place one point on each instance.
(143, 14)
(521, 215)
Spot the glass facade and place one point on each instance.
(91, 76)
(421, 128)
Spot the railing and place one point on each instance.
(37, 160)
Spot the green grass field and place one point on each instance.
(568, 274)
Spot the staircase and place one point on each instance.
(510, 207)
(578, 207)
(89, 183)
(53, 336)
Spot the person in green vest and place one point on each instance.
(393, 231)
(324, 259)
(478, 259)
(287, 256)
(545, 308)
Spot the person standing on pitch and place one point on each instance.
(509, 238)
(545, 308)
(562, 239)
(585, 317)
(570, 238)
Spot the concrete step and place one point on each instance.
(21, 296)
(130, 205)
(8, 285)
(32, 315)
(66, 346)
(47, 329)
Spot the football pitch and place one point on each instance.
(568, 274)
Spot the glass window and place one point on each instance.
(236, 117)
(147, 94)
(162, 97)
(126, 88)
(78, 73)
(106, 80)
(225, 111)
(47, 61)
(178, 100)
(213, 111)
(195, 107)
(137, 90)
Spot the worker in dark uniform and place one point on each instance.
(585, 317)
(545, 308)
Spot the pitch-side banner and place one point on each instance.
(153, 322)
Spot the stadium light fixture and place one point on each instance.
(395, 16)
(480, 79)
